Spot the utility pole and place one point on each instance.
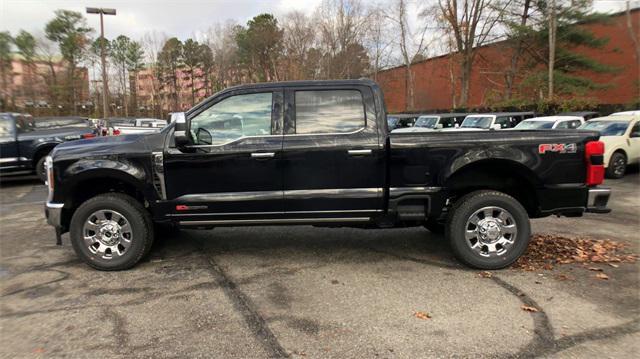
(105, 85)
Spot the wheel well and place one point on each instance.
(620, 150)
(40, 152)
(93, 187)
(504, 176)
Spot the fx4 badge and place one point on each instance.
(557, 147)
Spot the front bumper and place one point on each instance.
(598, 199)
(53, 212)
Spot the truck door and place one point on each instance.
(9, 154)
(232, 171)
(333, 161)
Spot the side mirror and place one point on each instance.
(496, 127)
(180, 134)
(457, 125)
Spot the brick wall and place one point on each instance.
(433, 88)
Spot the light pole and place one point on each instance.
(105, 85)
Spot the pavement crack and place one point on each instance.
(245, 306)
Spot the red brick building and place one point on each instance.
(434, 90)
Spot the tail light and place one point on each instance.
(88, 135)
(594, 156)
(116, 132)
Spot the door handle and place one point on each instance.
(263, 155)
(359, 152)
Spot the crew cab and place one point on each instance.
(434, 121)
(25, 141)
(317, 153)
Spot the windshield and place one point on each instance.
(607, 128)
(426, 122)
(535, 125)
(477, 122)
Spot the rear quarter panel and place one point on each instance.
(429, 159)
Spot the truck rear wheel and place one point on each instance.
(488, 229)
(111, 231)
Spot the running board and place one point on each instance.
(273, 221)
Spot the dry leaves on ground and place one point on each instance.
(422, 315)
(527, 308)
(546, 251)
(485, 274)
(602, 276)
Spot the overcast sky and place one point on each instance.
(176, 18)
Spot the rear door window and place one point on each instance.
(329, 111)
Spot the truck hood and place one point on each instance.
(60, 134)
(104, 146)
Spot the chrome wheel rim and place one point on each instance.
(618, 166)
(491, 231)
(107, 234)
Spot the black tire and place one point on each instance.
(434, 226)
(40, 170)
(617, 165)
(139, 221)
(471, 204)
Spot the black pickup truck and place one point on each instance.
(318, 153)
(26, 141)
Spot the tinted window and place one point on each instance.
(336, 111)
(448, 122)
(563, 125)
(232, 118)
(635, 131)
(575, 124)
(504, 122)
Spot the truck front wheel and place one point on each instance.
(488, 229)
(111, 231)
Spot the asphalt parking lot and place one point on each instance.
(310, 292)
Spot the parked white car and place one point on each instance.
(436, 121)
(621, 137)
(626, 113)
(494, 121)
(550, 122)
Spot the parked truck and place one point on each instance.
(26, 141)
(318, 153)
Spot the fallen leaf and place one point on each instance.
(38, 350)
(595, 269)
(527, 308)
(602, 276)
(614, 265)
(422, 315)
(485, 274)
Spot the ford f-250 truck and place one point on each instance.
(319, 153)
